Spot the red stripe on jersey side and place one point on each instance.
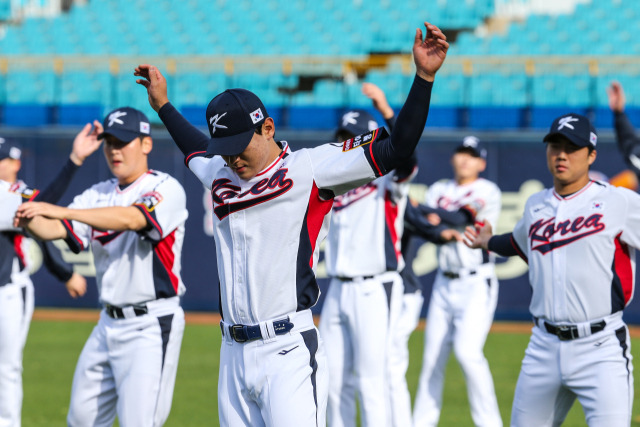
(164, 251)
(391, 216)
(374, 159)
(623, 268)
(317, 211)
(17, 247)
(188, 158)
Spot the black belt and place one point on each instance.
(351, 279)
(118, 312)
(244, 333)
(570, 332)
(452, 275)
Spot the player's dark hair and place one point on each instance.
(258, 129)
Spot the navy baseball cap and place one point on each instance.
(574, 127)
(9, 150)
(472, 145)
(126, 124)
(356, 122)
(232, 117)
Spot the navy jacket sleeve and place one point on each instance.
(628, 141)
(451, 218)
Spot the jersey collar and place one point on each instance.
(283, 154)
(574, 195)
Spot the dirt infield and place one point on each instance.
(201, 318)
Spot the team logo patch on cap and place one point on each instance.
(115, 117)
(593, 138)
(360, 140)
(256, 116)
(145, 128)
(149, 200)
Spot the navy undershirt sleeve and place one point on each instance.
(392, 152)
(59, 184)
(628, 141)
(502, 245)
(52, 259)
(418, 225)
(451, 218)
(186, 136)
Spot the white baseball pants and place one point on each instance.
(400, 399)
(16, 310)
(459, 317)
(355, 322)
(128, 366)
(279, 381)
(596, 369)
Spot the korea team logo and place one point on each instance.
(115, 118)
(257, 116)
(150, 200)
(213, 122)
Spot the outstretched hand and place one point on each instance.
(86, 142)
(478, 237)
(155, 83)
(429, 54)
(616, 97)
(76, 285)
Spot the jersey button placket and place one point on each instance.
(559, 257)
(239, 273)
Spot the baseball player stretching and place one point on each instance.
(363, 259)
(135, 226)
(465, 292)
(628, 142)
(578, 238)
(16, 288)
(271, 210)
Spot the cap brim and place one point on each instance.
(569, 137)
(122, 135)
(230, 145)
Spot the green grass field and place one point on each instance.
(53, 348)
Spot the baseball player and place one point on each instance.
(271, 211)
(16, 288)
(134, 224)
(579, 239)
(363, 259)
(465, 292)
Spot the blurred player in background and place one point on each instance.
(271, 207)
(579, 239)
(465, 291)
(628, 141)
(16, 288)
(363, 259)
(135, 226)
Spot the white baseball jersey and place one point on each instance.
(482, 199)
(580, 251)
(366, 228)
(14, 245)
(134, 267)
(268, 229)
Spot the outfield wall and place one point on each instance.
(516, 163)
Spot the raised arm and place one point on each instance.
(428, 54)
(628, 141)
(84, 144)
(186, 136)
